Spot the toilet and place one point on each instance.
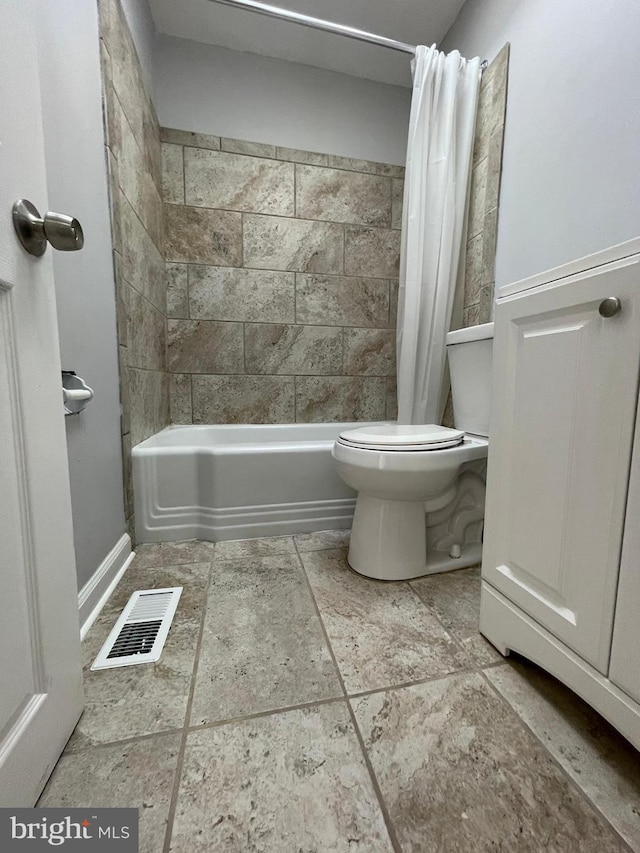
(420, 503)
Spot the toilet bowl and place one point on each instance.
(420, 503)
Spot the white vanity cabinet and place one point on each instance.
(565, 396)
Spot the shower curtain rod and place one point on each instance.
(317, 24)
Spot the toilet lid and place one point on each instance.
(403, 437)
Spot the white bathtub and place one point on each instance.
(239, 482)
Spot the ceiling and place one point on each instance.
(411, 21)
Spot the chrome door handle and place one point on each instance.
(62, 231)
(609, 306)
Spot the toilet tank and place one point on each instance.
(470, 353)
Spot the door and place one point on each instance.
(40, 673)
(565, 386)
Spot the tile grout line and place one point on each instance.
(185, 728)
(374, 781)
(572, 782)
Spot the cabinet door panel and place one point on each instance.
(625, 652)
(565, 386)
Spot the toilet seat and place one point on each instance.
(402, 437)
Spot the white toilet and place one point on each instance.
(420, 505)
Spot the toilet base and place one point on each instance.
(389, 542)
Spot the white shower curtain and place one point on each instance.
(441, 130)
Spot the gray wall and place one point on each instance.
(77, 184)
(143, 33)
(214, 90)
(571, 152)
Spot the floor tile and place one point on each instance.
(454, 597)
(288, 782)
(262, 646)
(459, 772)
(380, 633)
(254, 547)
(173, 553)
(138, 700)
(598, 758)
(322, 539)
(190, 551)
(138, 775)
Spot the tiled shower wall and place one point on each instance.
(133, 150)
(479, 276)
(282, 271)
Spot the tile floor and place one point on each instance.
(299, 707)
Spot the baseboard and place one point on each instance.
(96, 591)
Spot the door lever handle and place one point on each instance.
(62, 231)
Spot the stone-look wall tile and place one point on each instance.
(471, 316)
(340, 398)
(310, 158)
(115, 201)
(142, 263)
(392, 399)
(146, 333)
(134, 160)
(494, 168)
(125, 70)
(389, 170)
(479, 273)
(251, 149)
(275, 243)
(176, 276)
(236, 182)
(329, 194)
(257, 255)
(172, 173)
(397, 195)
(304, 350)
(149, 391)
(243, 399)
(473, 270)
(204, 346)
(125, 396)
(221, 293)
(477, 198)
(122, 308)
(372, 252)
(351, 164)
(203, 236)
(340, 301)
(484, 117)
(485, 305)
(136, 182)
(489, 239)
(151, 145)
(180, 398)
(369, 352)
(500, 84)
(127, 479)
(394, 287)
(187, 137)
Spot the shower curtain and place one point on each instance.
(441, 131)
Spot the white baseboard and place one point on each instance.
(94, 594)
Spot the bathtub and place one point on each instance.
(239, 482)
